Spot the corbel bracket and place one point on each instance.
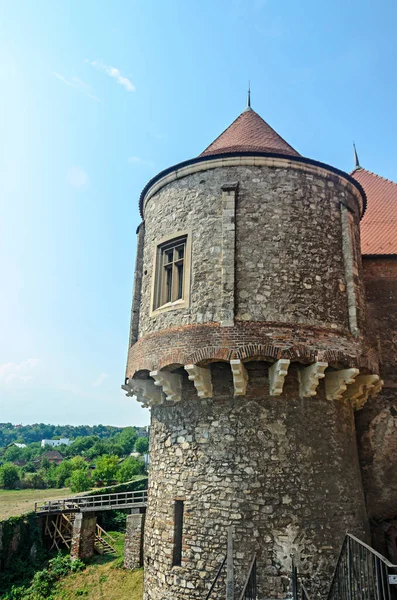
(201, 378)
(309, 378)
(240, 377)
(144, 390)
(277, 373)
(170, 383)
(336, 382)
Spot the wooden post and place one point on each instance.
(229, 566)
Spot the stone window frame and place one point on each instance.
(183, 302)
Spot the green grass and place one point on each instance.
(18, 502)
(103, 579)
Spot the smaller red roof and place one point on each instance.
(249, 133)
(379, 224)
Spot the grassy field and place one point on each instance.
(103, 579)
(19, 502)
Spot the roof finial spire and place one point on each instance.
(249, 97)
(356, 161)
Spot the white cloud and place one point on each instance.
(99, 380)
(113, 72)
(10, 372)
(77, 177)
(78, 84)
(135, 160)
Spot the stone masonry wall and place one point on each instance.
(284, 471)
(133, 545)
(83, 536)
(377, 421)
(289, 259)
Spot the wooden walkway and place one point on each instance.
(93, 503)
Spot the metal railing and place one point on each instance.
(92, 503)
(362, 573)
(299, 590)
(216, 578)
(249, 589)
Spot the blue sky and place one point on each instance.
(95, 98)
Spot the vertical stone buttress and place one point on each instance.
(83, 536)
(133, 546)
(252, 386)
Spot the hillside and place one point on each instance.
(103, 581)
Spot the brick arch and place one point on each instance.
(337, 358)
(210, 354)
(257, 351)
(300, 353)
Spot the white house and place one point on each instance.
(55, 443)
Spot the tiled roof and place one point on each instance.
(379, 224)
(249, 133)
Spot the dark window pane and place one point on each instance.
(180, 281)
(168, 256)
(180, 250)
(169, 284)
(178, 530)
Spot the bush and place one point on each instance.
(142, 445)
(130, 467)
(9, 476)
(106, 468)
(79, 481)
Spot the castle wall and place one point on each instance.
(289, 256)
(284, 471)
(377, 421)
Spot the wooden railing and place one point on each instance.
(93, 503)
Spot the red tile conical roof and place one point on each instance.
(249, 133)
(379, 224)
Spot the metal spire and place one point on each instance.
(249, 97)
(356, 161)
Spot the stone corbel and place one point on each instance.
(360, 389)
(240, 377)
(201, 378)
(144, 390)
(170, 383)
(309, 378)
(336, 382)
(277, 373)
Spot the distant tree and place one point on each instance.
(127, 439)
(9, 476)
(129, 468)
(12, 453)
(34, 480)
(45, 463)
(106, 468)
(78, 462)
(63, 473)
(142, 445)
(79, 481)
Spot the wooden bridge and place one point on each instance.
(98, 503)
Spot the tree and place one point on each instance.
(9, 476)
(80, 481)
(106, 468)
(129, 468)
(142, 445)
(63, 472)
(78, 462)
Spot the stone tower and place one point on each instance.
(247, 342)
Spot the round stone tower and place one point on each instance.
(247, 342)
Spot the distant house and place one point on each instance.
(143, 431)
(55, 443)
(52, 455)
(18, 445)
